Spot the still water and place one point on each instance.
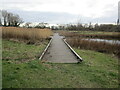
(105, 40)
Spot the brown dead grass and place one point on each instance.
(103, 47)
(76, 39)
(27, 34)
(115, 35)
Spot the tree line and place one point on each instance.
(9, 19)
(96, 27)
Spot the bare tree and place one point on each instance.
(90, 26)
(118, 22)
(11, 19)
(17, 20)
(27, 24)
(0, 18)
(4, 15)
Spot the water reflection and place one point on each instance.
(105, 40)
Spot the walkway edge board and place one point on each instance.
(80, 59)
(43, 53)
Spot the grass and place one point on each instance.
(97, 32)
(103, 47)
(76, 39)
(92, 34)
(30, 35)
(104, 67)
(98, 70)
(18, 52)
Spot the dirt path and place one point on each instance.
(59, 52)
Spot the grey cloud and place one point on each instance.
(54, 17)
(51, 17)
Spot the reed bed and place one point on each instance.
(76, 39)
(95, 45)
(114, 36)
(30, 35)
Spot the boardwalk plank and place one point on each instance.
(59, 52)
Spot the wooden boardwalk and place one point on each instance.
(58, 52)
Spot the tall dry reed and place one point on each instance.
(115, 36)
(29, 34)
(103, 47)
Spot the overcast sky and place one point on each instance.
(64, 11)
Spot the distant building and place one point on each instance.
(118, 22)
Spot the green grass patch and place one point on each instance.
(96, 32)
(98, 70)
(16, 51)
(102, 67)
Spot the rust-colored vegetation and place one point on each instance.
(106, 35)
(77, 40)
(29, 35)
(103, 47)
